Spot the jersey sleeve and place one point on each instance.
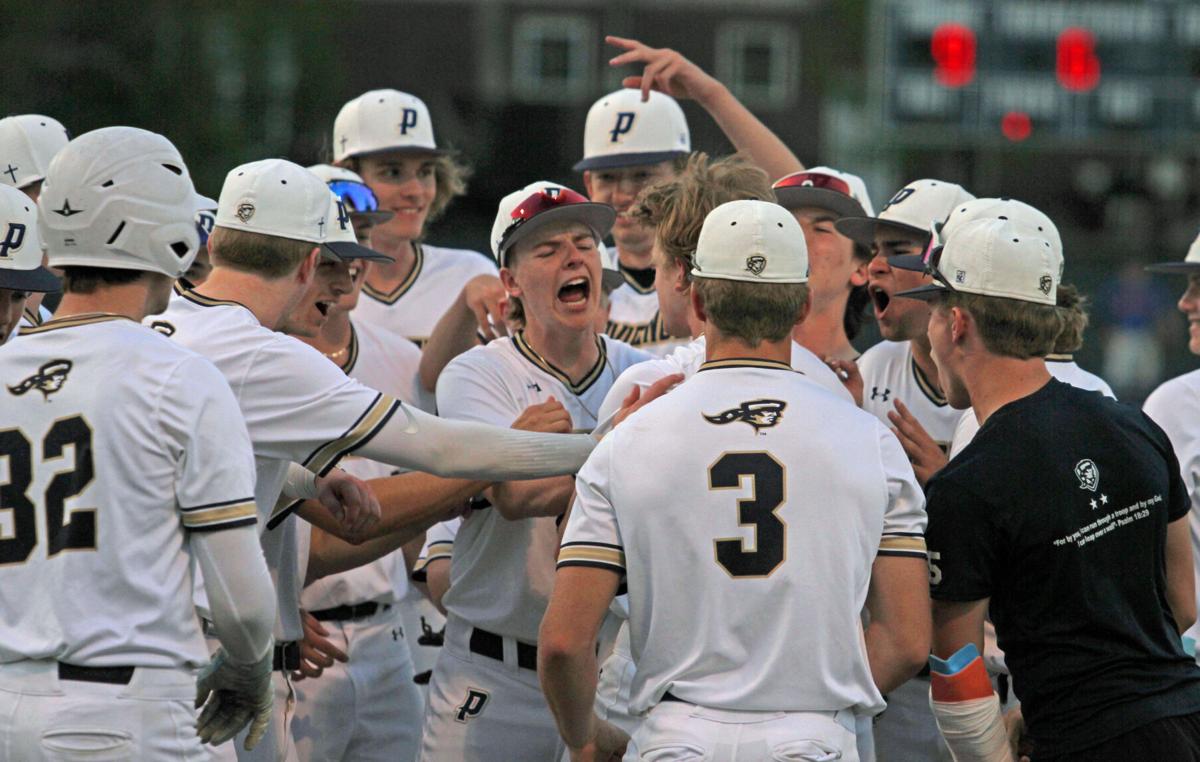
(1176, 410)
(214, 474)
(904, 519)
(963, 541)
(592, 537)
(471, 390)
(439, 545)
(302, 408)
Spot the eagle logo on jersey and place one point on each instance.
(49, 378)
(1088, 474)
(756, 264)
(759, 414)
(245, 211)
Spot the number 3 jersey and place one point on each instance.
(745, 510)
(115, 444)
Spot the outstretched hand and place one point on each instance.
(665, 70)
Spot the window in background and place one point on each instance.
(553, 58)
(760, 61)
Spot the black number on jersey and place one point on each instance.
(76, 533)
(767, 494)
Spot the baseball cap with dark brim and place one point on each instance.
(524, 212)
(617, 161)
(862, 230)
(824, 188)
(1189, 266)
(21, 266)
(341, 241)
(39, 279)
(599, 217)
(347, 250)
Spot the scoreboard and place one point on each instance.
(1056, 72)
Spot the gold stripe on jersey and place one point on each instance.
(638, 334)
(911, 545)
(746, 362)
(439, 549)
(325, 457)
(352, 354)
(234, 513)
(391, 297)
(33, 316)
(73, 321)
(632, 281)
(592, 554)
(589, 378)
(926, 386)
(205, 301)
(1067, 357)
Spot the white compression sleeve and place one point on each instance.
(469, 450)
(241, 597)
(300, 483)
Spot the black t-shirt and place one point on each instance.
(1058, 512)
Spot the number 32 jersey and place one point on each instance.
(115, 445)
(748, 546)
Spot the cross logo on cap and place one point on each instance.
(12, 172)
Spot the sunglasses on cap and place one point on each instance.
(814, 180)
(356, 196)
(538, 202)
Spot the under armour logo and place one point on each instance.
(12, 172)
(12, 239)
(343, 218)
(534, 386)
(624, 124)
(408, 120)
(49, 378)
(476, 700)
(876, 394)
(901, 194)
(66, 210)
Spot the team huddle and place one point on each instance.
(282, 480)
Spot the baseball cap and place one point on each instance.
(623, 131)
(993, 257)
(825, 188)
(383, 120)
(1033, 220)
(20, 247)
(27, 144)
(1189, 265)
(610, 269)
(360, 200)
(752, 241)
(539, 204)
(912, 209)
(278, 198)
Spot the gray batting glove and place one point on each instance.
(234, 695)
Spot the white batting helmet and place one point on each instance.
(120, 198)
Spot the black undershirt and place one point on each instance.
(643, 277)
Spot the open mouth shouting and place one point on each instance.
(575, 292)
(880, 298)
(323, 307)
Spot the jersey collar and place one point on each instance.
(746, 362)
(74, 321)
(576, 388)
(391, 297)
(926, 386)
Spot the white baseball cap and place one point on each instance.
(1189, 265)
(624, 131)
(539, 204)
(383, 121)
(20, 246)
(361, 202)
(1029, 218)
(278, 198)
(994, 257)
(752, 241)
(825, 188)
(912, 209)
(27, 144)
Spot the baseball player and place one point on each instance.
(386, 136)
(21, 269)
(1175, 406)
(638, 136)
(484, 701)
(432, 568)
(838, 281)
(126, 458)
(27, 144)
(749, 442)
(1062, 521)
(274, 222)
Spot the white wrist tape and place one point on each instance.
(966, 709)
(300, 484)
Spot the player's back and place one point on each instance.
(749, 536)
(99, 416)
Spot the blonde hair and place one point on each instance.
(752, 312)
(1010, 327)
(450, 175)
(259, 254)
(677, 207)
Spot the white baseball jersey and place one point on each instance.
(387, 362)
(502, 571)
(414, 307)
(1062, 367)
(890, 373)
(634, 318)
(115, 443)
(439, 545)
(1175, 406)
(750, 500)
(29, 319)
(298, 407)
(688, 359)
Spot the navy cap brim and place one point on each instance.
(862, 229)
(611, 279)
(377, 217)
(616, 160)
(924, 293)
(799, 196)
(599, 217)
(39, 279)
(396, 149)
(346, 251)
(913, 262)
(1174, 268)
